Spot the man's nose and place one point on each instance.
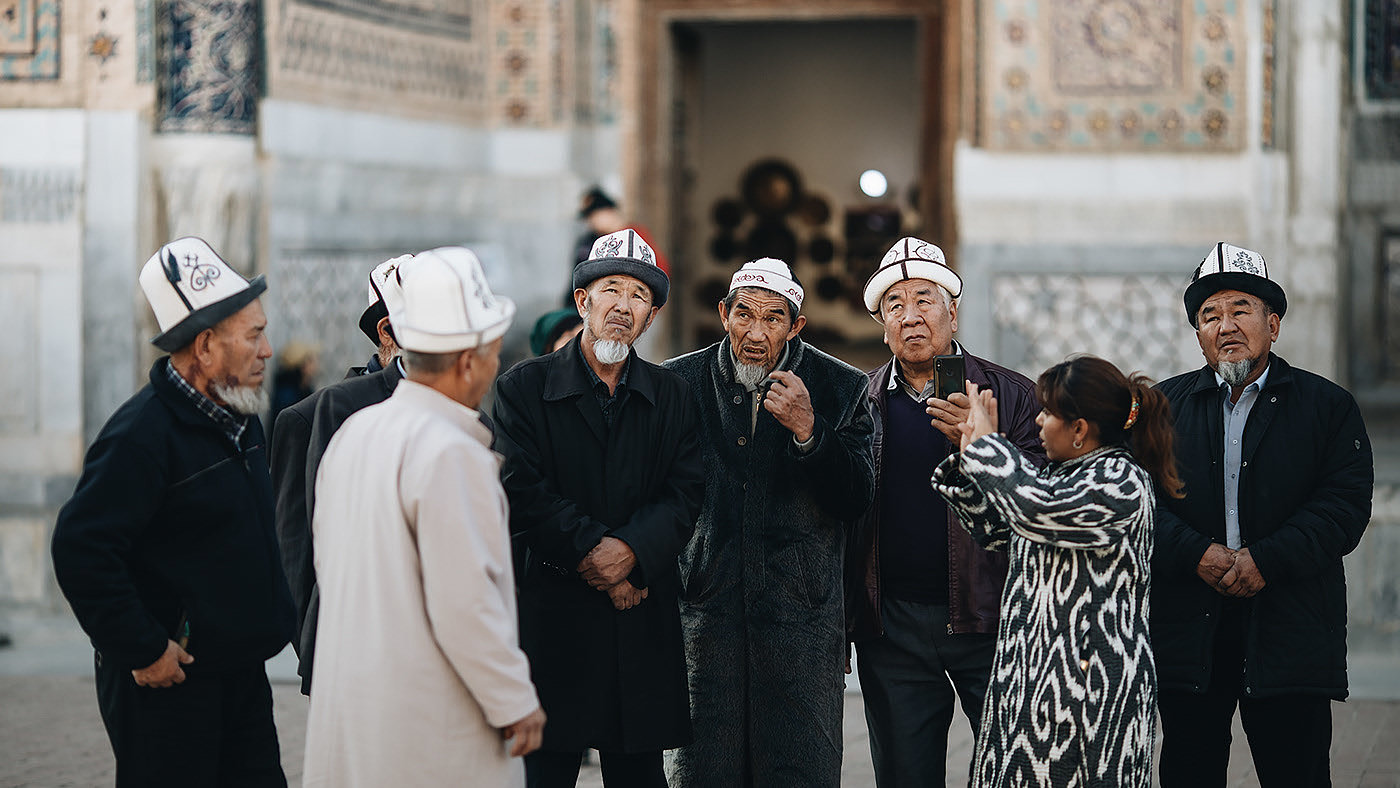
(264, 348)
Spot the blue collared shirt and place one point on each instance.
(232, 425)
(1236, 415)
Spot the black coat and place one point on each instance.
(1305, 498)
(299, 439)
(171, 520)
(762, 602)
(606, 679)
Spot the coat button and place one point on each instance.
(738, 399)
(742, 440)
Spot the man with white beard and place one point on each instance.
(1248, 589)
(602, 470)
(167, 551)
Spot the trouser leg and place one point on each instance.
(632, 770)
(1289, 739)
(547, 769)
(1196, 726)
(908, 697)
(167, 736)
(252, 757)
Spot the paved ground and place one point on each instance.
(50, 734)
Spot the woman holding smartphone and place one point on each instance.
(1072, 698)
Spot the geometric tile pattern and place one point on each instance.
(1133, 75)
(38, 195)
(1134, 321)
(29, 39)
(317, 296)
(524, 44)
(423, 57)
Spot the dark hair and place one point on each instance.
(1089, 388)
(728, 300)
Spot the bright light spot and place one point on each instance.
(873, 183)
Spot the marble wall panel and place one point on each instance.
(1136, 75)
(19, 408)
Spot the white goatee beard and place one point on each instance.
(749, 375)
(611, 351)
(245, 400)
(1235, 372)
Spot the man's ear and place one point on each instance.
(797, 326)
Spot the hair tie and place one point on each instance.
(1132, 414)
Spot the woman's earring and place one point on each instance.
(1079, 444)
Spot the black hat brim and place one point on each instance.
(1205, 287)
(654, 278)
(369, 320)
(184, 332)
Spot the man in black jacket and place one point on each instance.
(1248, 592)
(922, 597)
(166, 550)
(300, 437)
(603, 473)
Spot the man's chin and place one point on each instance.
(245, 400)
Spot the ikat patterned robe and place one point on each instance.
(1073, 693)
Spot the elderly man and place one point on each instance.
(604, 477)
(924, 596)
(419, 675)
(166, 550)
(786, 432)
(1248, 592)
(299, 439)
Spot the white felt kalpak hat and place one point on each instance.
(624, 252)
(447, 305)
(768, 273)
(1230, 267)
(910, 258)
(191, 288)
(383, 290)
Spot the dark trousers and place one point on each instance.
(1289, 735)
(215, 731)
(908, 678)
(545, 769)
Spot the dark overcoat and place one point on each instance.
(1305, 498)
(608, 680)
(171, 520)
(761, 578)
(299, 439)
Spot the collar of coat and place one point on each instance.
(568, 375)
(724, 358)
(880, 377)
(179, 403)
(1280, 373)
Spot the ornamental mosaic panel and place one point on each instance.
(208, 65)
(1382, 49)
(29, 39)
(424, 57)
(1093, 75)
(1135, 321)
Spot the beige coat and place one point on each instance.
(417, 656)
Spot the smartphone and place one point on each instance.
(949, 376)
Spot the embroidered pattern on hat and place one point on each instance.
(610, 247)
(200, 274)
(1247, 263)
(646, 255)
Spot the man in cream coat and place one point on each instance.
(419, 677)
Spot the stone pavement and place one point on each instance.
(51, 736)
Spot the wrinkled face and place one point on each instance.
(239, 350)
(759, 326)
(1235, 326)
(920, 318)
(485, 363)
(616, 307)
(1057, 436)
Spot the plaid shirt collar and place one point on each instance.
(232, 426)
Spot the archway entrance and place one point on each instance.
(754, 124)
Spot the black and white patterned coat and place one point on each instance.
(1073, 692)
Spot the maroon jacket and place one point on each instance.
(975, 576)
